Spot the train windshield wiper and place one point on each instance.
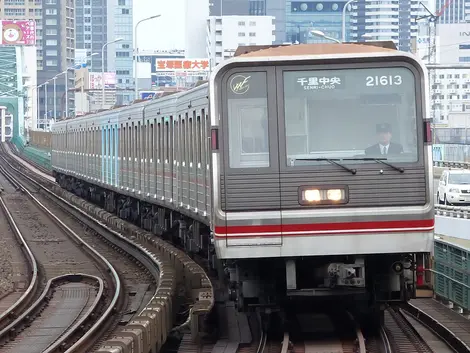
(378, 160)
(331, 161)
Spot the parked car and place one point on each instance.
(454, 187)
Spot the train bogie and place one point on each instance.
(273, 172)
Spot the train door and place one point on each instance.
(250, 183)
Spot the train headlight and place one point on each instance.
(312, 195)
(323, 195)
(335, 194)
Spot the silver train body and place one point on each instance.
(262, 171)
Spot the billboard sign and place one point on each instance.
(22, 32)
(96, 80)
(181, 65)
(148, 95)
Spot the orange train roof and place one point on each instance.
(315, 49)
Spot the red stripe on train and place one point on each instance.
(326, 228)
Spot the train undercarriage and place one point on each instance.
(365, 282)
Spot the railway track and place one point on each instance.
(56, 250)
(335, 333)
(56, 255)
(157, 300)
(138, 273)
(19, 267)
(401, 334)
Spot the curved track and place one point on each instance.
(136, 267)
(19, 268)
(401, 335)
(69, 301)
(56, 248)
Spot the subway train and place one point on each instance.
(295, 171)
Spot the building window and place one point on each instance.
(51, 22)
(51, 32)
(252, 23)
(51, 52)
(125, 11)
(252, 34)
(51, 42)
(122, 3)
(51, 11)
(14, 2)
(15, 12)
(241, 23)
(51, 62)
(241, 34)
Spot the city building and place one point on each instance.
(226, 33)
(326, 16)
(275, 8)
(450, 92)
(58, 53)
(99, 22)
(55, 40)
(456, 11)
(88, 91)
(386, 20)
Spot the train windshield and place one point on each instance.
(351, 115)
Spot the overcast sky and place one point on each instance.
(166, 32)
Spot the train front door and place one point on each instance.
(250, 183)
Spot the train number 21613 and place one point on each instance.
(372, 81)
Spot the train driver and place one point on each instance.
(384, 145)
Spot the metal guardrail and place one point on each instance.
(452, 211)
(450, 164)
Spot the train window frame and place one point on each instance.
(273, 118)
(420, 111)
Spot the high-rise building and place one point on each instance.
(99, 22)
(226, 33)
(304, 16)
(275, 8)
(457, 11)
(55, 33)
(386, 20)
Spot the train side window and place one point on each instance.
(183, 140)
(171, 140)
(175, 139)
(160, 141)
(198, 139)
(203, 138)
(190, 142)
(152, 141)
(247, 105)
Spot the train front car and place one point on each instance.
(305, 200)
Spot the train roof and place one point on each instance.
(316, 49)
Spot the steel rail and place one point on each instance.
(27, 296)
(28, 316)
(117, 282)
(360, 337)
(55, 347)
